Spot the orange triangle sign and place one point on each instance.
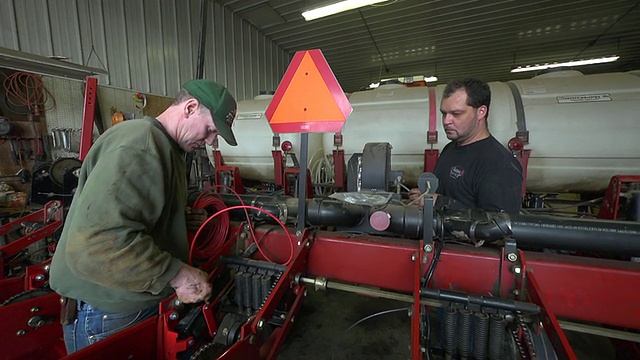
(309, 98)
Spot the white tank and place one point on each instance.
(255, 142)
(583, 129)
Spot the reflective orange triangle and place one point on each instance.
(307, 98)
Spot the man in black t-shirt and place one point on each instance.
(474, 170)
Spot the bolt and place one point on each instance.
(35, 309)
(517, 270)
(307, 245)
(298, 233)
(190, 342)
(428, 248)
(410, 312)
(283, 316)
(516, 292)
(243, 236)
(423, 349)
(39, 277)
(293, 318)
(305, 293)
(177, 302)
(512, 257)
(260, 324)
(46, 268)
(21, 332)
(173, 316)
(413, 257)
(225, 332)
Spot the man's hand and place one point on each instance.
(417, 197)
(191, 284)
(195, 218)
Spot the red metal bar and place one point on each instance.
(88, 116)
(280, 336)
(338, 169)
(551, 326)
(278, 167)
(430, 158)
(523, 158)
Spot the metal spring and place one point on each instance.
(450, 328)
(247, 290)
(496, 336)
(256, 286)
(480, 336)
(464, 333)
(238, 277)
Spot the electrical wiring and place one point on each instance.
(218, 235)
(216, 232)
(291, 247)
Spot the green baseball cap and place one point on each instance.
(219, 101)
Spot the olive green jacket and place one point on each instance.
(125, 234)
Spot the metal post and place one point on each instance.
(302, 183)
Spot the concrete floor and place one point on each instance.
(320, 331)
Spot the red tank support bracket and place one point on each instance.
(88, 116)
(611, 201)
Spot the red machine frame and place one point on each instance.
(337, 257)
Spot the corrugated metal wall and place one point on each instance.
(146, 45)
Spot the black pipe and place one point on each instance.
(602, 236)
(620, 238)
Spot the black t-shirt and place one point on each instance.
(482, 175)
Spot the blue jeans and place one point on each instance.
(93, 325)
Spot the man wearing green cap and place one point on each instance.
(124, 246)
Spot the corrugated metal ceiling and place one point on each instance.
(452, 38)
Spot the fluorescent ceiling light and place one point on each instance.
(22, 61)
(337, 8)
(568, 63)
(405, 80)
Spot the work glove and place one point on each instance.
(195, 218)
(191, 284)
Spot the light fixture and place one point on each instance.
(22, 61)
(405, 80)
(337, 8)
(568, 63)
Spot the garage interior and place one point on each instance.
(71, 70)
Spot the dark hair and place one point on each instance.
(478, 91)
